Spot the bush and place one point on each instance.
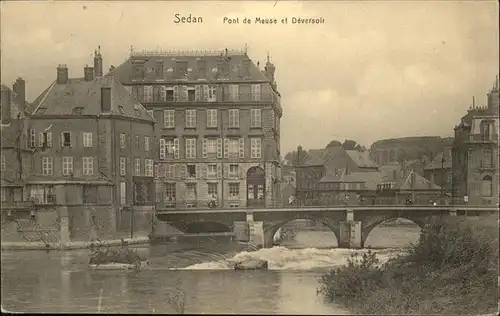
(453, 269)
(106, 254)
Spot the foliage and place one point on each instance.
(291, 157)
(349, 144)
(334, 143)
(105, 254)
(453, 269)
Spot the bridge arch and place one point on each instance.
(270, 229)
(420, 221)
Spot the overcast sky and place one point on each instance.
(373, 70)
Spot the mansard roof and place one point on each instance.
(81, 97)
(235, 60)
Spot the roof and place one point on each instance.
(421, 183)
(235, 59)
(371, 178)
(319, 157)
(361, 158)
(63, 99)
(437, 162)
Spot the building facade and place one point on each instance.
(91, 157)
(475, 172)
(439, 170)
(218, 131)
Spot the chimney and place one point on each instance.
(270, 70)
(412, 179)
(62, 74)
(19, 88)
(98, 62)
(431, 180)
(6, 112)
(88, 73)
(105, 99)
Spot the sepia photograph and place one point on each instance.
(288, 157)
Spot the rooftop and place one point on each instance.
(80, 97)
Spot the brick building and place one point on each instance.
(475, 174)
(218, 128)
(91, 149)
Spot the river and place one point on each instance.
(187, 278)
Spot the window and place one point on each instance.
(487, 160)
(233, 171)
(191, 192)
(123, 166)
(123, 193)
(88, 166)
(256, 147)
(212, 94)
(123, 140)
(47, 166)
(485, 130)
(67, 166)
(191, 171)
(212, 171)
(170, 192)
(137, 142)
(487, 186)
(148, 93)
(256, 92)
(255, 118)
(146, 143)
(32, 142)
(42, 194)
(169, 171)
(2, 164)
(234, 147)
(191, 94)
(169, 118)
(233, 92)
(148, 167)
(234, 118)
(89, 194)
(211, 144)
(191, 118)
(87, 140)
(66, 139)
(45, 140)
(190, 148)
(137, 166)
(169, 94)
(212, 189)
(234, 191)
(212, 118)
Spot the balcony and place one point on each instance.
(480, 138)
(240, 97)
(16, 205)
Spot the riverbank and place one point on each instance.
(71, 245)
(453, 269)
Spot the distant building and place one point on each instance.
(439, 170)
(475, 171)
(218, 129)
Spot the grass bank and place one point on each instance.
(453, 269)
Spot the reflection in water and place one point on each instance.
(36, 281)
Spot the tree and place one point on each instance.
(349, 144)
(291, 157)
(334, 143)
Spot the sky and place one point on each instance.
(371, 71)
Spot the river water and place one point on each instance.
(192, 277)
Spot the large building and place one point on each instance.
(218, 130)
(91, 157)
(475, 174)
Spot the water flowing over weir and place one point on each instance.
(281, 258)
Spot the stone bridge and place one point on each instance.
(351, 225)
